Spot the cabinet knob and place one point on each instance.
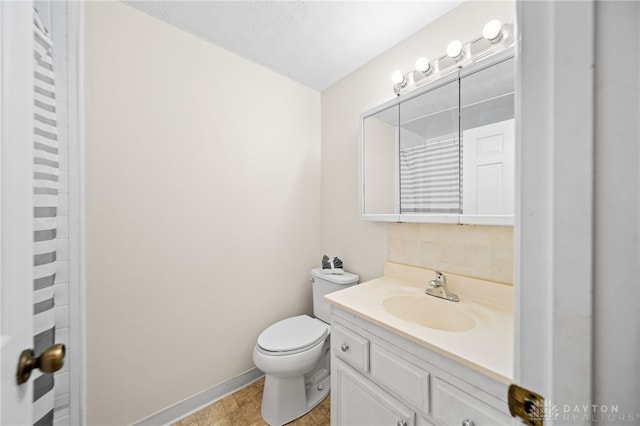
(467, 422)
(401, 423)
(344, 347)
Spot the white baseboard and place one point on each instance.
(200, 400)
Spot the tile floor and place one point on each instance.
(242, 408)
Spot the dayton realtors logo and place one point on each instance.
(605, 414)
(544, 410)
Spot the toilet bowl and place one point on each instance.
(289, 390)
(294, 354)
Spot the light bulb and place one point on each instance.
(422, 65)
(492, 30)
(397, 77)
(454, 49)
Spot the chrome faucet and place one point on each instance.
(438, 288)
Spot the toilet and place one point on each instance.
(294, 354)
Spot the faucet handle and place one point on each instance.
(440, 278)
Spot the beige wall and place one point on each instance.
(363, 245)
(202, 211)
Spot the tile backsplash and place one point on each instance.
(472, 250)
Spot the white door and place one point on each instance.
(554, 213)
(488, 164)
(16, 206)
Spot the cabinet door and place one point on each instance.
(452, 406)
(487, 110)
(358, 402)
(424, 422)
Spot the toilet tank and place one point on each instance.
(328, 283)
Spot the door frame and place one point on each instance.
(77, 372)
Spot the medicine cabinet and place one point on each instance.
(443, 153)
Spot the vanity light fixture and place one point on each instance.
(454, 50)
(498, 35)
(492, 31)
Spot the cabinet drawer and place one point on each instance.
(402, 377)
(350, 347)
(452, 406)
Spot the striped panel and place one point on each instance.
(430, 177)
(45, 420)
(45, 199)
(42, 385)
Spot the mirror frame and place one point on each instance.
(391, 217)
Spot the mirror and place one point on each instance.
(444, 153)
(430, 152)
(379, 162)
(487, 126)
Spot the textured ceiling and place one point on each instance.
(313, 42)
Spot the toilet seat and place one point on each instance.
(292, 335)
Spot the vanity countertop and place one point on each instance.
(487, 347)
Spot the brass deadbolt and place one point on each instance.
(50, 361)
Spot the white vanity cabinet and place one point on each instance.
(380, 378)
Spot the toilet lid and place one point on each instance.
(293, 334)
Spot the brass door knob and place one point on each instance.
(50, 361)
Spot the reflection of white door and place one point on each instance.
(488, 169)
(16, 206)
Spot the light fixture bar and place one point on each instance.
(495, 38)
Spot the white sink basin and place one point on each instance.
(429, 311)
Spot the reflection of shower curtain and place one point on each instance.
(45, 163)
(430, 177)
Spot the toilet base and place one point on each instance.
(294, 398)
